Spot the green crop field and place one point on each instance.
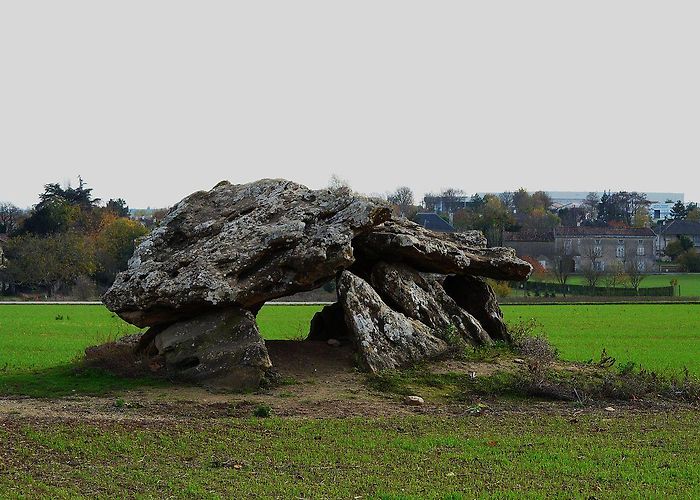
(511, 456)
(41, 336)
(657, 336)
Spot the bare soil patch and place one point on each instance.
(315, 380)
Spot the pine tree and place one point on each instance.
(679, 210)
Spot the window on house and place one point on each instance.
(641, 266)
(567, 246)
(620, 252)
(599, 265)
(597, 248)
(640, 250)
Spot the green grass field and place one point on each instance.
(689, 283)
(38, 343)
(510, 456)
(662, 337)
(41, 336)
(657, 336)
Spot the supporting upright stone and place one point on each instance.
(422, 297)
(328, 323)
(220, 349)
(474, 295)
(385, 339)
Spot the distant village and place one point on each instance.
(576, 232)
(73, 243)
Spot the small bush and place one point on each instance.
(500, 288)
(529, 340)
(627, 368)
(262, 411)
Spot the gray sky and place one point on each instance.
(150, 101)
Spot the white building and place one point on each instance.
(661, 210)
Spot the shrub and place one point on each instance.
(122, 360)
(262, 411)
(690, 261)
(501, 288)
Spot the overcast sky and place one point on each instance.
(150, 101)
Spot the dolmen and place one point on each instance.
(404, 294)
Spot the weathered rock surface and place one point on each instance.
(240, 245)
(384, 338)
(220, 349)
(444, 253)
(476, 297)
(422, 297)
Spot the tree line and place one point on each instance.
(69, 242)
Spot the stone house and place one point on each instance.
(534, 244)
(607, 247)
(673, 230)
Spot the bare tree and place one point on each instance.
(506, 198)
(634, 269)
(336, 182)
(562, 267)
(590, 205)
(592, 268)
(452, 192)
(634, 266)
(614, 276)
(449, 200)
(9, 217)
(403, 199)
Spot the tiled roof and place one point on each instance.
(433, 222)
(680, 227)
(525, 235)
(604, 231)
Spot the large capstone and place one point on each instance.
(405, 294)
(445, 253)
(241, 245)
